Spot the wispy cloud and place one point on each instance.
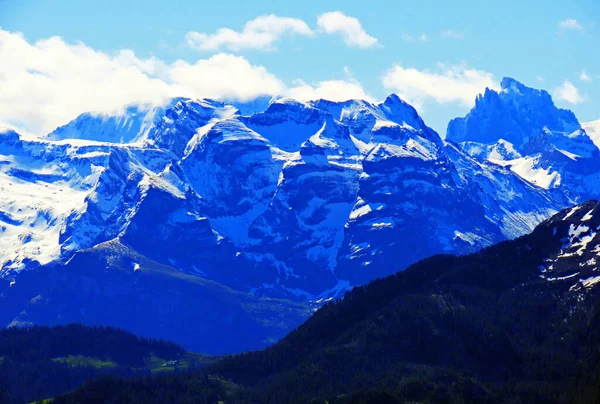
(410, 38)
(452, 34)
(583, 76)
(349, 28)
(445, 85)
(570, 24)
(50, 82)
(260, 33)
(569, 93)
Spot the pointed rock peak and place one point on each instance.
(394, 99)
(508, 83)
(515, 113)
(8, 136)
(405, 115)
(513, 87)
(394, 102)
(5, 131)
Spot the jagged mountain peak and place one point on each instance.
(515, 113)
(402, 112)
(5, 129)
(511, 85)
(8, 137)
(521, 128)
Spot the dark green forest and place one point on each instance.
(40, 362)
(482, 328)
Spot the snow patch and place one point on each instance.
(589, 282)
(587, 216)
(571, 212)
(361, 211)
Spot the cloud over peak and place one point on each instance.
(50, 82)
(448, 84)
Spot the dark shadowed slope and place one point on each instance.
(518, 322)
(40, 362)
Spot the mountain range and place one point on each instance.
(203, 220)
(517, 322)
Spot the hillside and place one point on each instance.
(517, 322)
(113, 284)
(40, 362)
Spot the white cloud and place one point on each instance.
(409, 38)
(48, 83)
(223, 76)
(448, 84)
(334, 90)
(349, 28)
(540, 79)
(260, 33)
(569, 93)
(583, 76)
(452, 34)
(570, 24)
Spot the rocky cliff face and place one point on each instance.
(290, 199)
(300, 200)
(521, 128)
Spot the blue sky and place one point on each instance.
(435, 54)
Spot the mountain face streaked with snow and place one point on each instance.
(289, 200)
(521, 129)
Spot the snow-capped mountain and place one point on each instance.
(521, 128)
(282, 198)
(296, 200)
(129, 126)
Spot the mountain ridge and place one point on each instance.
(298, 201)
